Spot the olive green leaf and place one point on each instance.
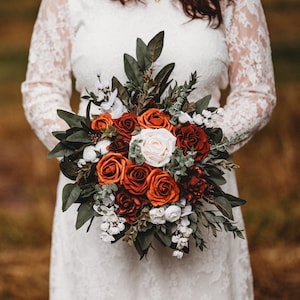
(85, 213)
(202, 104)
(71, 119)
(155, 46)
(70, 194)
(133, 70)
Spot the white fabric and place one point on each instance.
(88, 38)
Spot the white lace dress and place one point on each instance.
(89, 37)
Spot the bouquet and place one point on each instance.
(149, 163)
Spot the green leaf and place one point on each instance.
(122, 92)
(85, 213)
(70, 194)
(141, 51)
(145, 239)
(202, 104)
(235, 201)
(60, 150)
(79, 136)
(155, 46)
(132, 70)
(163, 76)
(224, 206)
(71, 119)
(60, 135)
(165, 239)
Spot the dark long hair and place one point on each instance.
(199, 9)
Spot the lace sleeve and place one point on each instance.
(48, 80)
(252, 92)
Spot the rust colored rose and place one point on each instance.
(103, 121)
(162, 188)
(135, 178)
(120, 145)
(111, 168)
(194, 185)
(154, 118)
(192, 137)
(129, 205)
(126, 124)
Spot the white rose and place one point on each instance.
(157, 145)
(173, 213)
(102, 146)
(157, 215)
(89, 154)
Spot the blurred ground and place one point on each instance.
(268, 177)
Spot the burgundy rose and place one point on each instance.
(129, 205)
(120, 145)
(135, 179)
(194, 185)
(126, 124)
(192, 137)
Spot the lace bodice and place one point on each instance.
(87, 38)
(90, 37)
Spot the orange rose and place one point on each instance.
(102, 121)
(111, 168)
(154, 118)
(162, 188)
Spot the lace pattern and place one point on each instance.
(83, 267)
(48, 82)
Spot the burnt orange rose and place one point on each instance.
(191, 137)
(126, 124)
(120, 145)
(135, 178)
(129, 205)
(103, 121)
(111, 168)
(195, 185)
(154, 118)
(162, 188)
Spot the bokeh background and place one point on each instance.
(268, 177)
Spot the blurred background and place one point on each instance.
(268, 177)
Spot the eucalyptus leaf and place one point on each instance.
(155, 46)
(70, 194)
(132, 70)
(71, 119)
(85, 213)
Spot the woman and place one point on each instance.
(227, 43)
